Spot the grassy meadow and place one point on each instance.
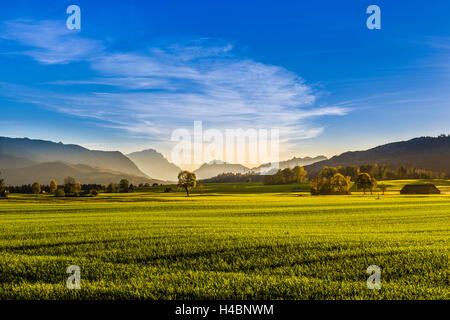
(233, 241)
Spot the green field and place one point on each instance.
(234, 241)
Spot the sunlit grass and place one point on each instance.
(223, 245)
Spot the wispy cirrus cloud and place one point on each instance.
(50, 42)
(172, 86)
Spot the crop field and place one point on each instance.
(233, 241)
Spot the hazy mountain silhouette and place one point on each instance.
(44, 172)
(216, 167)
(9, 161)
(301, 162)
(25, 161)
(427, 153)
(40, 151)
(155, 165)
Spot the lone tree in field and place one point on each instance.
(36, 188)
(187, 180)
(53, 186)
(364, 181)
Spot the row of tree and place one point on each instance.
(235, 177)
(287, 176)
(382, 172)
(186, 180)
(328, 182)
(124, 186)
(69, 188)
(350, 173)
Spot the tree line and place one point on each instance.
(379, 172)
(235, 177)
(70, 188)
(382, 172)
(287, 176)
(330, 181)
(339, 180)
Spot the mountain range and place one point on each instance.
(40, 151)
(24, 161)
(216, 167)
(294, 162)
(44, 172)
(154, 164)
(428, 153)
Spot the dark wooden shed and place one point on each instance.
(420, 189)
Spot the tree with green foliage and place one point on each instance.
(337, 184)
(364, 181)
(2, 184)
(287, 176)
(314, 185)
(124, 186)
(71, 187)
(328, 172)
(60, 192)
(187, 180)
(300, 174)
(36, 187)
(3, 192)
(340, 184)
(112, 188)
(53, 186)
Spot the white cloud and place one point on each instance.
(171, 87)
(50, 42)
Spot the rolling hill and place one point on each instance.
(40, 151)
(429, 153)
(85, 174)
(155, 165)
(8, 161)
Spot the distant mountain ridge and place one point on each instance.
(155, 165)
(216, 167)
(428, 153)
(36, 157)
(84, 174)
(8, 161)
(291, 163)
(40, 151)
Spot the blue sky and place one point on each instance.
(138, 70)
